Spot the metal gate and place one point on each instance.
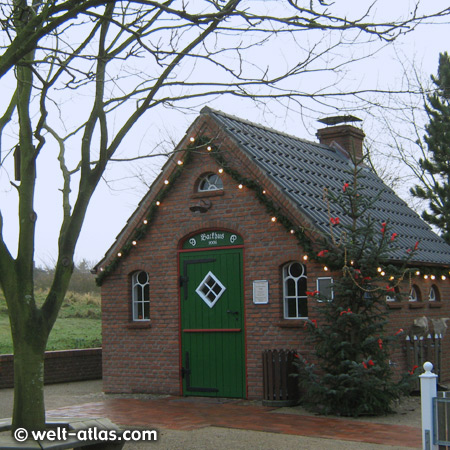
(441, 420)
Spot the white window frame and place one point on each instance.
(140, 297)
(434, 295)
(210, 282)
(331, 287)
(211, 186)
(416, 297)
(297, 297)
(393, 298)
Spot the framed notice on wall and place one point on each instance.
(260, 292)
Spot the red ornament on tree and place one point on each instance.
(312, 293)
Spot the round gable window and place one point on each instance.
(210, 182)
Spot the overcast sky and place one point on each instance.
(114, 203)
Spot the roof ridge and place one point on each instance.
(208, 110)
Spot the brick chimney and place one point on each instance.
(346, 136)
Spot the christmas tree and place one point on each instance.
(349, 336)
(436, 185)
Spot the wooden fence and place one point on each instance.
(280, 388)
(420, 349)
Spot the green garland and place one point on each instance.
(272, 209)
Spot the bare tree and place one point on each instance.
(397, 146)
(86, 72)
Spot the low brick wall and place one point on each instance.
(60, 366)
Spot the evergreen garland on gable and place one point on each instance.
(330, 259)
(205, 142)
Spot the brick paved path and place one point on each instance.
(179, 413)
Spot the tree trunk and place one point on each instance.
(29, 410)
(29, 335)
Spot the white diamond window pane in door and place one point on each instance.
(210, 289)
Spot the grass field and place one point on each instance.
(78, 324)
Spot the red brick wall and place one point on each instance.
(59, 366)
(146, 357)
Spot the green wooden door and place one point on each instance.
(212, 323)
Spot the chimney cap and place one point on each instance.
(334, 120)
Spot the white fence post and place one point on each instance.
(428, 390)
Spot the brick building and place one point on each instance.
(213, 266)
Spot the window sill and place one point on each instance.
(293, 323)
(435, 304)
(139, 325)
(394, 305)
(416, 305)
(207, 194)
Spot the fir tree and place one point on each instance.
(348, 332)
(437, 166)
